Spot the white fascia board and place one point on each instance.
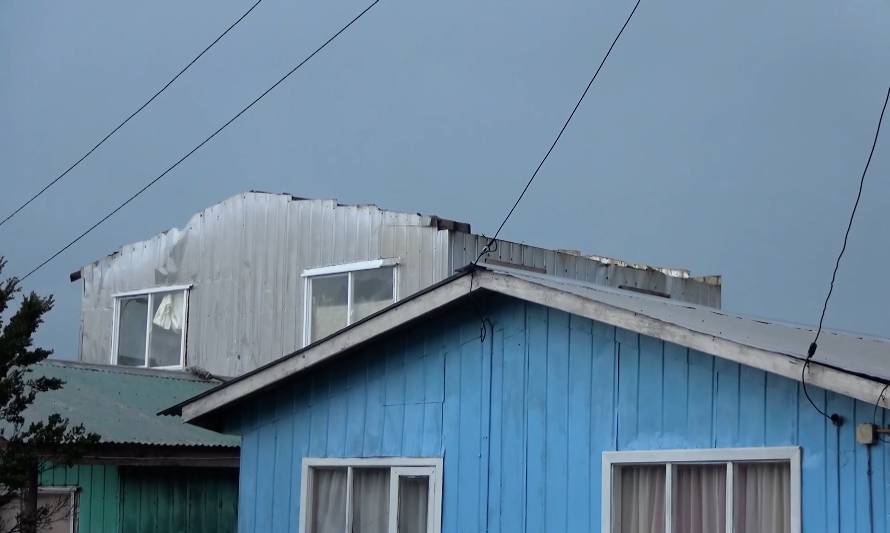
(828, 378)
(361, 332)
(860, 388)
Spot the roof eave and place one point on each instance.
(844, 382)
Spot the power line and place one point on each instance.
(133, 114)
(202, 143)
(491, 242)
(835, 418)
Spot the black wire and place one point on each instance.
(835, 418)
(133, 114)
(202, 143)
(487, 247)
(837, 264)
(874, 416)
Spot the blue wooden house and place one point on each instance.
(505, 401)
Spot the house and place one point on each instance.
(260, 275)
(501, 400)
(149, 473)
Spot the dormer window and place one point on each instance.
(149, 328)
(340, 295)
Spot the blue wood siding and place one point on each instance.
(523, 418)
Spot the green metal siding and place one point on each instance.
(150, 499)
(98, 498)
(195, 500)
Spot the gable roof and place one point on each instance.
(121, 404)
(849, 364)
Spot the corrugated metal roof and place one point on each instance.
(121, 404)
(859, 364)
(857, 353)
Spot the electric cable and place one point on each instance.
(202, 143)
(487, 249)
(836, 418)
(133, 114)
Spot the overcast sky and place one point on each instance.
(725, 137)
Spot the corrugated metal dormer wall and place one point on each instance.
(465, 247)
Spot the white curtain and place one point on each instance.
(699, 498)
(370, 500)
(169, 313)
(413, 503)
(640, 500)
(762, 494)
(328, 500)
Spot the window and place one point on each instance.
(149, 328)
(386, 495)
(339, 295)
(744, 490)
(60, 502)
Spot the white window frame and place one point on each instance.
(670, 458)
(115, 322)
(348, 268)
(398, 466)
(70, 491)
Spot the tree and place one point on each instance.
(29, 446)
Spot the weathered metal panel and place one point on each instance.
(677, 283)
(244, 258)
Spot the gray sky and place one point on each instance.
(725, 137)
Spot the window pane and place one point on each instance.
(762, 494)
(59, 506)
(328, 500)
(699, 498)
(131, 331)
(413, 502)
(370, 500)
(329, 297)
(167, 324)
(371, 291)
(640, 495)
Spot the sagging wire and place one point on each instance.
(874, 416)
(835, 418)
(484, 321)
(487, 249)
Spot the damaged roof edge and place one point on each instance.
(435, 221)
(844, 381)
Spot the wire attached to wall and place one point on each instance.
(202, 143)
(835, 418)
(488, 247)
(133, 114)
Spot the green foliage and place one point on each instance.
(27, 446)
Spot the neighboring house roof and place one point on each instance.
(121, 404)
(853, 365)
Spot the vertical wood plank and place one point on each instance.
(536, 423)
(726, 420)
(556, 432)
(579, 428)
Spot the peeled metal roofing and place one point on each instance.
(121, 404)
(856, 353)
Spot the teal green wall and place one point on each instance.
(98, 498)
(196, 500)
(151, 500)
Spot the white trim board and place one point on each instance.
(459, 287)
(350, 267)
